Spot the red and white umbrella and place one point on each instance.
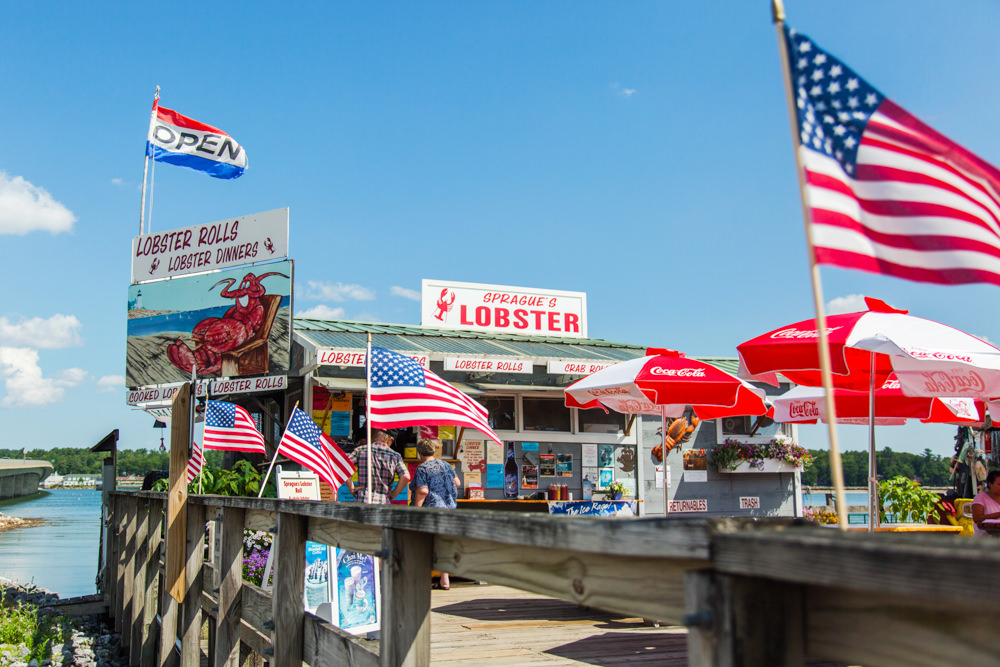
(805, 405)
(666, 382)
(929, 358)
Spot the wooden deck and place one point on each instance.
(497, 625)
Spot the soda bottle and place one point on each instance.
(510, 482)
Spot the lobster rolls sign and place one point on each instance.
(260, 237)
(503, 309)
(224, 324)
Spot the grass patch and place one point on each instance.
(21, 623)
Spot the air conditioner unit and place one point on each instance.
(735, 425)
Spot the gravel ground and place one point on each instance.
(92, 643)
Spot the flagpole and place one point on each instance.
(275, 457)
(145, 166)
(836, 467)
(368, 419)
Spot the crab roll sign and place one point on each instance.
(503, 309)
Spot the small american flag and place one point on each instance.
(231, 428)
(196, 462)
(887, 193)
(403, 393)
(305, 444)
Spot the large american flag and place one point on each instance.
(403, 393)
(304, 443)
(196, 462)
(887, 193)
(231, 428)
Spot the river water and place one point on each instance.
(60, 554)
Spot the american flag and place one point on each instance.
(196, 462)
(230, 427)
(304, 443)
(403, 393)
(887, 193)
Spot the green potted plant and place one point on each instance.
(617, 489)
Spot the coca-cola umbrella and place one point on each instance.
(665, 383)
(929, 358)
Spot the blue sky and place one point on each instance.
(639, 152)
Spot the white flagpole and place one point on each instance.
(368, 419)
(145, 166)
(836, 467)
(275, 457)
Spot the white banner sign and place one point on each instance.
(693, 505)
(577, 367)
(164, 393)
(749, 502)
(499, 308)
(487, 365)
(331, 357)
(260, 237)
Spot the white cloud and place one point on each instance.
(321, 312)
(411, 294)
(852, 303)
(337, 292)
(110, 383)
(26, 208)
(56, 332)
(624, 92)
(24, 382)
(117, 181)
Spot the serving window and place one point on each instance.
(502, 412)
(598, 421)
(545, 414)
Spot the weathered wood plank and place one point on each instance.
(257, 607)
(151, 587)
(736, 621)
(132, 515)
(890, 630)
(346, 535)
(289, 585)
(881, 562)
(120, 524)
(139, 581)
(180, 444)
(325, 645)
(260, 519)
(230, 568)
(406, 601)
(190, 630)
(649, 587)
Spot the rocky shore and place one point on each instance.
(16, 522)
(85, 640)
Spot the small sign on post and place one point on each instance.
(180, 444)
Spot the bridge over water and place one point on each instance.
(22, 478)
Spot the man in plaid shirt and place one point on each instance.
(386, 464)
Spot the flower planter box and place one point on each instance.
(770, 465)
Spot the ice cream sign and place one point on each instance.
(500, 308)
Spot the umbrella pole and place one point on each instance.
(663, 450)
(872, 470)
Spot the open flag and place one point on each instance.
(196, 462)
(404, 393)
(229, 427)
(304, 443)
(185, 142)
(887, 193)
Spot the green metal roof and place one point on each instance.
(411, 338)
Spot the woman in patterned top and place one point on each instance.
(435, 484)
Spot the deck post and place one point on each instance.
(289, 588)
(734, 620)
(193, 574)
(139, 582)
(151, 587)
(229, 568)
(132, 514)
(121, 522)
(406, 599)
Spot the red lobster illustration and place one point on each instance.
(444, 305)
(215, 335)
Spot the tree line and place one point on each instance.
(928, 469)
(75, 461)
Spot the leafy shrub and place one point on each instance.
(905, 499)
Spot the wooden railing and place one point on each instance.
(769, 592)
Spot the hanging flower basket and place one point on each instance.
(779, 455)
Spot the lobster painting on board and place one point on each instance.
(188, 323)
